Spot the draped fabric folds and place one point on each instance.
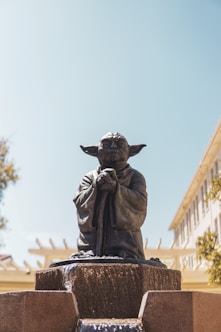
(110, 223)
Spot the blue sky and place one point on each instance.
(70, 71)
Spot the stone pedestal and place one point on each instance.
(109, 297)
(107, 290)
(181, 311)
(30, 311)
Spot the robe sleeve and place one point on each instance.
(84, 200)
(131, 204)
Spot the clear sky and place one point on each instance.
(70, 71)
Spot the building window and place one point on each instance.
(216, 167)
(216, 225)
(182, 231)
(194, 213)
(187, 225)
(202, 199)
(217, 228)
(211, 174)
(205, 192)
(189, 220)
(177, 237)
(197, 209)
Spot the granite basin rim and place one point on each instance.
(110, 260)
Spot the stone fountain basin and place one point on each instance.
(106, 289)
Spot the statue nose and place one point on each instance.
(113, 145)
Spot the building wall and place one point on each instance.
(194, 215)
(200, 216)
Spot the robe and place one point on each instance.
(110, 223)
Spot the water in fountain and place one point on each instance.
(110, 325)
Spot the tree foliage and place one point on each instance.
(214, 192)
(208, 249)
(8, 174)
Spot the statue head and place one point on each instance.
(113, 150)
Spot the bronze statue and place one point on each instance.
(111, 201)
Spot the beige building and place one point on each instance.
(195, 216)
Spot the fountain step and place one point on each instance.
(110, 325)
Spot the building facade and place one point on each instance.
(195, 215)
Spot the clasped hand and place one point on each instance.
(107, 180)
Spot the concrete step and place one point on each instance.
(110, 325)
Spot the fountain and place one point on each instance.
(108, 285)
(109, 274)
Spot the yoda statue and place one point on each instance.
(111, 201)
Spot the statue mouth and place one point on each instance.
(115, 155)
(112, 154)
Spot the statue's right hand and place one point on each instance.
(103, 177)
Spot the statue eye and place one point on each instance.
(121, 144)
(106, 144)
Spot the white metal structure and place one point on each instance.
(14, 277)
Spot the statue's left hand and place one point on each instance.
(107, 180)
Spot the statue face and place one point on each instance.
(113, 150)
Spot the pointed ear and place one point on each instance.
(135, 149)
(91, 150)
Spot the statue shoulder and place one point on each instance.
(136, 172)
(137, 175)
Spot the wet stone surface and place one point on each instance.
(108, 290)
